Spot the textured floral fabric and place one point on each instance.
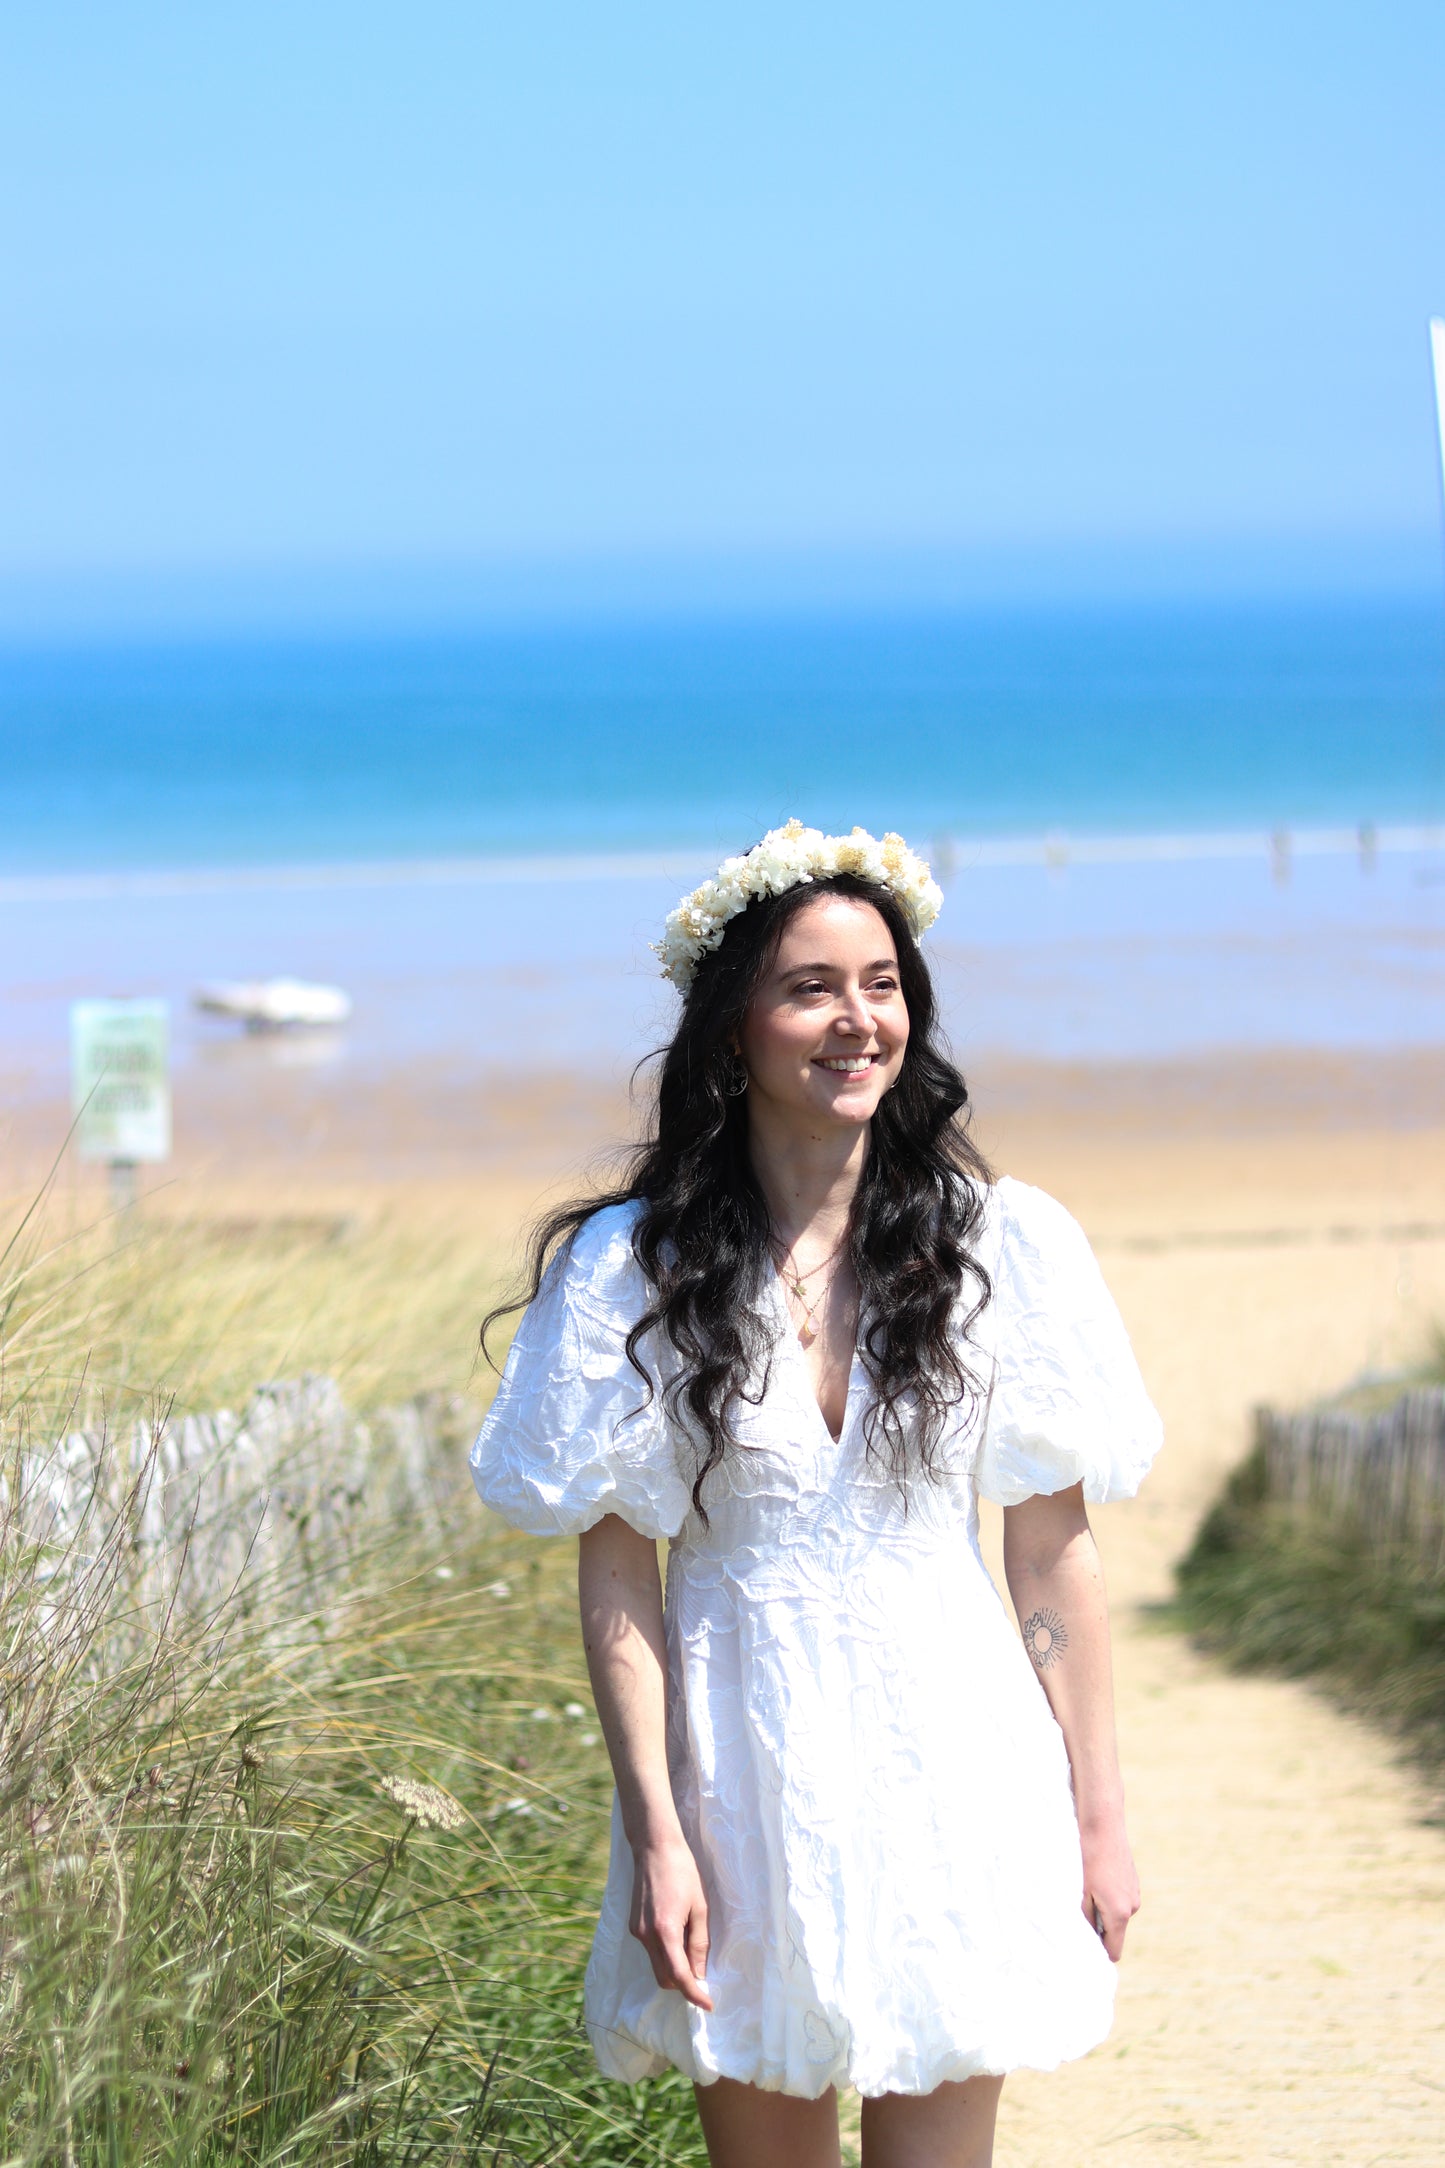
(872, 1782)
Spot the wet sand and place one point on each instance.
(1271, 1225)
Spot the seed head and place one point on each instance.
(427, 1804)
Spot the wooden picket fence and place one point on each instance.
(1381, 1476)
(191, 1507)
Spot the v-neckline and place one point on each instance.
(796, 1352)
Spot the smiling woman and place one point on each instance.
(800, 1342)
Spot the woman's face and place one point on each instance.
(824, 1035)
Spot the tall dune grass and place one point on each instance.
(1275, 1585)
(295, 1866)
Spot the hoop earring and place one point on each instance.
(737, 1082)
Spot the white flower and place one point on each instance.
(786, 858)
(427, 1804)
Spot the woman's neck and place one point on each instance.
(808, 1180)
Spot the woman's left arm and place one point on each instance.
(1057, 1586)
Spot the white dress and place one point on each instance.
(867, 1770)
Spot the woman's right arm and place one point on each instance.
(620, 1595)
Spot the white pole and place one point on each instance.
(1437, 349)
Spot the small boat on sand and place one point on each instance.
(274, 1004)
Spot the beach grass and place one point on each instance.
(200, 1306)
(1269, 1586)
(306, 1872)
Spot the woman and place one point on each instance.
(798, 1343)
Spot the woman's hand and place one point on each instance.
(669, 1916)
(1111, 1885)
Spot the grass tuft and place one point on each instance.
(1269, 1587)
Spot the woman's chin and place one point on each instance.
(849, 1103)
(852, 1107)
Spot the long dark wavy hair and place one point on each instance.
(703, 1237)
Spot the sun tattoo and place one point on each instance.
(1045, 1638)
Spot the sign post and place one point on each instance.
(1437, 357)
(121, 1087)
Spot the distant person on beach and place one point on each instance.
(799, 1342)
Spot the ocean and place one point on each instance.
(636, 737)
(1160, 831)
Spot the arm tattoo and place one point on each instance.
(1045, 1638)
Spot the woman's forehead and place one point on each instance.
(835, 926)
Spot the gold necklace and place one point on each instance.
(793, 1280)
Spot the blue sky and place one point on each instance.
(407, 294)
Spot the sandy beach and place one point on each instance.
(1272, 1225)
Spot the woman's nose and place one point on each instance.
(856, 1014)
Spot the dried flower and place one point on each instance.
(427, 1804)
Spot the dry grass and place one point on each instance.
(226, 1933)
(385, 1300)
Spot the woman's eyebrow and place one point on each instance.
(881, 963)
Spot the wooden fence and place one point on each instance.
(278, 1493)
(1382, 1476)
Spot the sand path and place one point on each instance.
(1283, 1994)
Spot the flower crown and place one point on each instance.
(786, 858)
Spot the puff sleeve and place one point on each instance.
(1067, 1403)
(572, 1434)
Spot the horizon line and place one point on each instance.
(451, 592)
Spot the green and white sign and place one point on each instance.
(120, 1079)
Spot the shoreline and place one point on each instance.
(1053, 849)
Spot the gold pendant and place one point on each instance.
(808, 1330)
